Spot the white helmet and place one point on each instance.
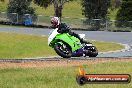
(55, 21)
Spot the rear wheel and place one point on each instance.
(91, 50)
(63, 50)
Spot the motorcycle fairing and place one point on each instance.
(72, 41)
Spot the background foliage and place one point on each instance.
(21, 8)
(124, 14)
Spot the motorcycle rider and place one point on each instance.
(63, 28)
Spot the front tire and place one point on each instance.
(63, 50)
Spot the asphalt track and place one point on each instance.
(118, 37)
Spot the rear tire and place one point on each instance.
(93, 52)
(63, 50)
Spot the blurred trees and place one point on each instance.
(95, 9)
(20, 7)
(58, 5)
(124, 14)
(2, 0)
(115, 4)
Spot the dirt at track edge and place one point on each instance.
(59, 63)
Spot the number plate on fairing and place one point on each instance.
(89, 45)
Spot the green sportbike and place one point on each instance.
(68, 46)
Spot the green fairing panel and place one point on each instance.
(69, 40)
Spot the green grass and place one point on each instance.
(61, 77)
(14, 45)
(71, 9)
(3, 6)
(107, 46)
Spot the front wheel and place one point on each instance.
(63, 50)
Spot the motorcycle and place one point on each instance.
(68, 46)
